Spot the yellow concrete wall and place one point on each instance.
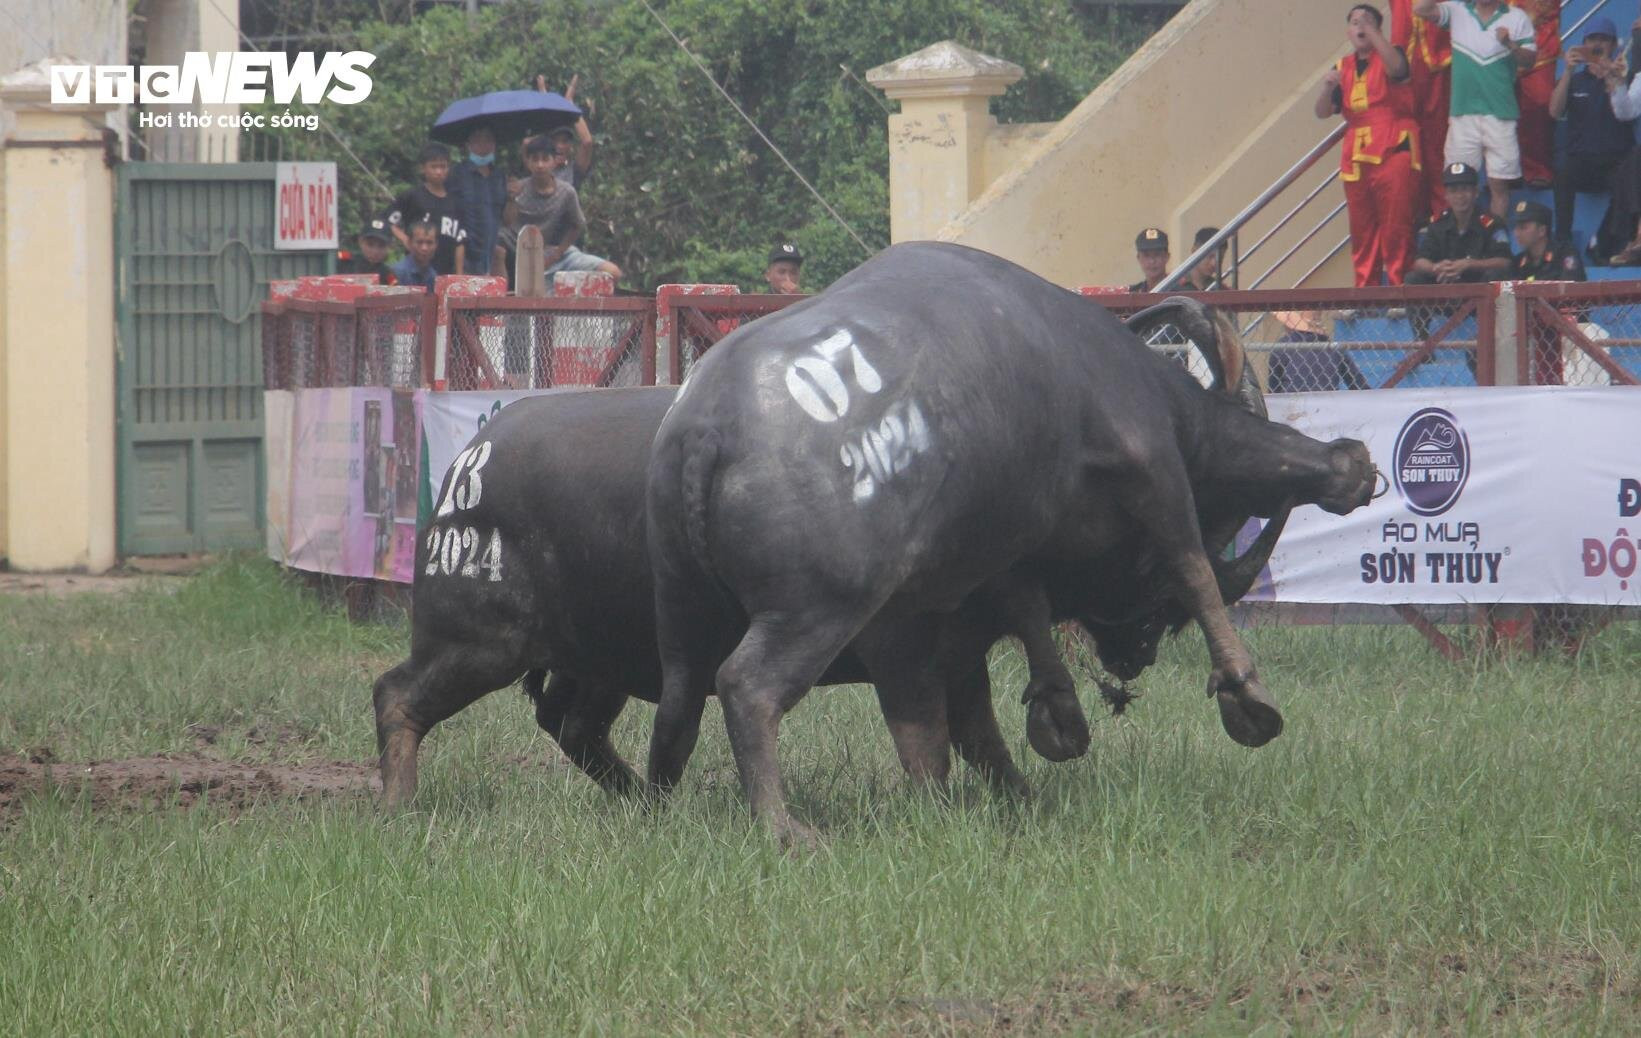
(1188, 130)
(58, 310)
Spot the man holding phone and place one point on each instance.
(1597, 140)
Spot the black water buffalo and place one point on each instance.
(848, 471)
(535, 562)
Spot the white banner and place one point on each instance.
(305, 205)
(1496, 495)
(450, 419)
(1525, 495)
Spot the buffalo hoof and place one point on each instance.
(1057, 728)
(1248, 713)
(795, 838)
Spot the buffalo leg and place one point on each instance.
(1055, 723)
(1247, 712)
(973, 721)
(417, 694)
(686, 680)
(579, 717)
(900, 657)
(772, 668)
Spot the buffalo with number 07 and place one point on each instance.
(939, 425)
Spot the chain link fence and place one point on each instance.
(1579, 334)
(537, 343)
(692, 324)
(374, 341)
(1315, 340)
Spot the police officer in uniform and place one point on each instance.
(1151, 250)
(1461, 245)
(1541, 259)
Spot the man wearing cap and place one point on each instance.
(1462, 244)
(1429, 51)
(1540, 259)
(1597, 140)
(373, 243)
(1379, 163)
(785, 263)
(1151, 250)
(1491, 43)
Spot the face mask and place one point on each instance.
(481, 160)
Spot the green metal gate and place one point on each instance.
(194, 255)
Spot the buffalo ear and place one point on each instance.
(1232, 358)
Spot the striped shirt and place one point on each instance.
(1484, 70)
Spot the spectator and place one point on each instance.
(574, 143)
(1597, 140)
(1491, 43)
(1623, 220)
(1429, 51)
(479, 191)
(552, 206)
(431, 202)
(1463, 245)
(417, 267)
(785, 264)
(373, 244)
(1536, 128)
(1379, 162)
(1540, 259)
(1208, 275)
(1151, 250)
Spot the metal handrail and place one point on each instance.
(1297, 170)
(1230, 231)
(1318, 189)
(1300, 244)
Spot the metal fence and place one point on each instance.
(371, 341)
(692, 324)
(1307, 340)
(1579, 334)
(536, 343)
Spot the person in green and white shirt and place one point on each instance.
(1492, 42)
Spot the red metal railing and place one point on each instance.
(371, 341)
(694, 323)
(533, 343)
(1318, 338)
(1578, 334)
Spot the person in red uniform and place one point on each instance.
(1379, 164)
(1429, 50)
(1536, 129)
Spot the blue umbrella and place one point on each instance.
(510, 114)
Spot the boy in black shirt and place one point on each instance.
(431, 202)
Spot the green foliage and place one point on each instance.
(682, 188)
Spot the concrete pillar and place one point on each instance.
(57, 302)
(937, 142)
(174, 28)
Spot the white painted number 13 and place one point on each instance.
(465, 486)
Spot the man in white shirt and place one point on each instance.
(1492, 42)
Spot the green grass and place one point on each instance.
(1429, 847)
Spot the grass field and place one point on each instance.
(1428, 848)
